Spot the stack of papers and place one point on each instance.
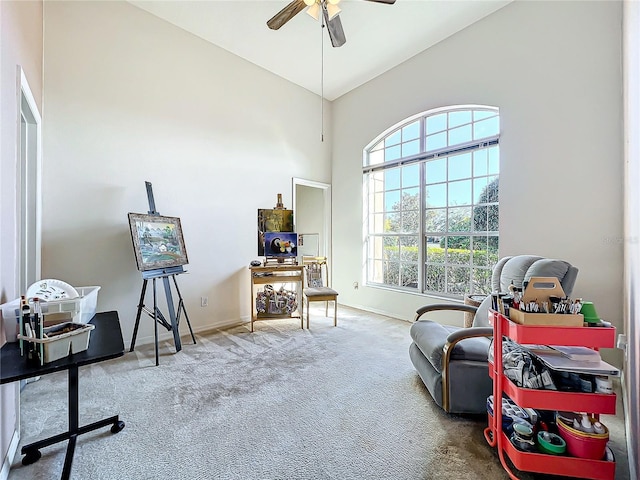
(573, 359)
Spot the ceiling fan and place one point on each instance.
(329, 10)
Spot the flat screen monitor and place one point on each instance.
(280, 244)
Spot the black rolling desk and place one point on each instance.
(105, 343)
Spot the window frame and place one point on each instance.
(393, 137)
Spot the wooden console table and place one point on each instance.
(277, 274)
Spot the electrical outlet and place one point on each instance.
(355, 285)
(204, 301)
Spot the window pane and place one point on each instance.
(436, 170)
(486, 128)
(437, 141)
(460, 166)
(392, 178)
(411, 131)
(411, 175)
(436, 220)
(410, 221)
(409, 248)
(392, 223)
(459, 118)
(480, 162)
(376, 158)
(436, 123)
(434, 278)
(392, 153)
(481, 281)
(458, 280)
(376, 271)
(460, 193)
(411, 148)
(392, 139)
(392, 200)
(459, 219)
(479, 249)
(458, 249)
(437, 195)
(410, 200)
(460, 135)
(494, 162)
(378, 202)
(376, 224)
(482, 114)
(433, 246)
(479, 189)
(391, 273)
(409, 275)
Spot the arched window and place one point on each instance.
(431, 202)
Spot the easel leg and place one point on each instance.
(140, 307)
(181, 308)
(172, 314)
(155, 318)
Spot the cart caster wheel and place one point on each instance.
(31, 456)
(116, 427)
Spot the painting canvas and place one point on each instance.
(280, 244)
(157, 241)
(272, 220)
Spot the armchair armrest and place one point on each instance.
(463, 333)
(444, 306)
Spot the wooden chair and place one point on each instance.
(317, 286)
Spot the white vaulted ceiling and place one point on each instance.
(379, 36)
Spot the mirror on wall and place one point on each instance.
(312, 214)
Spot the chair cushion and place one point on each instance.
(430, 337)
(319, 292)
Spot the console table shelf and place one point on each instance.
(277, 274)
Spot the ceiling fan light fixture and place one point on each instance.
(333, 2)
(308, 3)
(314, 11)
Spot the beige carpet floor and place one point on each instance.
(281, 403)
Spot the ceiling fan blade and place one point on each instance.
(334, 27)
(286, 14)
(388, 2)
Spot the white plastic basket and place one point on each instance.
(79, 310)
(62, 345)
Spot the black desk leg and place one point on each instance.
(32, 453)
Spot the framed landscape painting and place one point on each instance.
(157, 241)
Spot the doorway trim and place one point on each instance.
(326, 194)
(30, 184)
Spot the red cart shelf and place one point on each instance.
(555, 400)
(593, 337)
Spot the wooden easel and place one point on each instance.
(174, 314)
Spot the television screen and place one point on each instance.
(280, 244)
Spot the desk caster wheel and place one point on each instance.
(116, 427)
(31, 456)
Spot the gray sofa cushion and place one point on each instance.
(430, 337)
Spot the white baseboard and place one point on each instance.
(11, 453)
(166, 335)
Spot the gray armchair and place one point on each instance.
(452, 361)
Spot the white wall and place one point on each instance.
(631, 49)
(131, 98)
(20, 44)
(554, 70)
